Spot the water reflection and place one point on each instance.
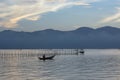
(94, 65)
(9, 68)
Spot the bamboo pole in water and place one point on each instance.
(36, 52)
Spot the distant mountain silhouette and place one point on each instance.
(84, 37)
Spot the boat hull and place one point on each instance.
(46, 58)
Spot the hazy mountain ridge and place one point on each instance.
(84, 37)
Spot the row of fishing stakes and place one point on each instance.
(36, 52)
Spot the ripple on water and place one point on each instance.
(94, 65)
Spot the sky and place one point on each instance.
(35, 15)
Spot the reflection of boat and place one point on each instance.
(46, 58)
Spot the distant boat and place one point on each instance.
(46, 58)
(79, 51)
(82, 51)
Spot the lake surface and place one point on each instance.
(96, 64)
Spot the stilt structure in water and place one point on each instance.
(38, 52)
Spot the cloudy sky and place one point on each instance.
(34, 15)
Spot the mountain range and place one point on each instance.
(88, 38)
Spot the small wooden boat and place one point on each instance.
(46, 58)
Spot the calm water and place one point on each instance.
(94, 65)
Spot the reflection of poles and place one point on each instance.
(54, 52)
(77, 51)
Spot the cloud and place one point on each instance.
(12, 11)
(33, 18)
(117, 20)
(114, 18)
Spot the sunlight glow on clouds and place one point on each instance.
(12, 11)
(115, 17)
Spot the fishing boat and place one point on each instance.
(46, 57)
